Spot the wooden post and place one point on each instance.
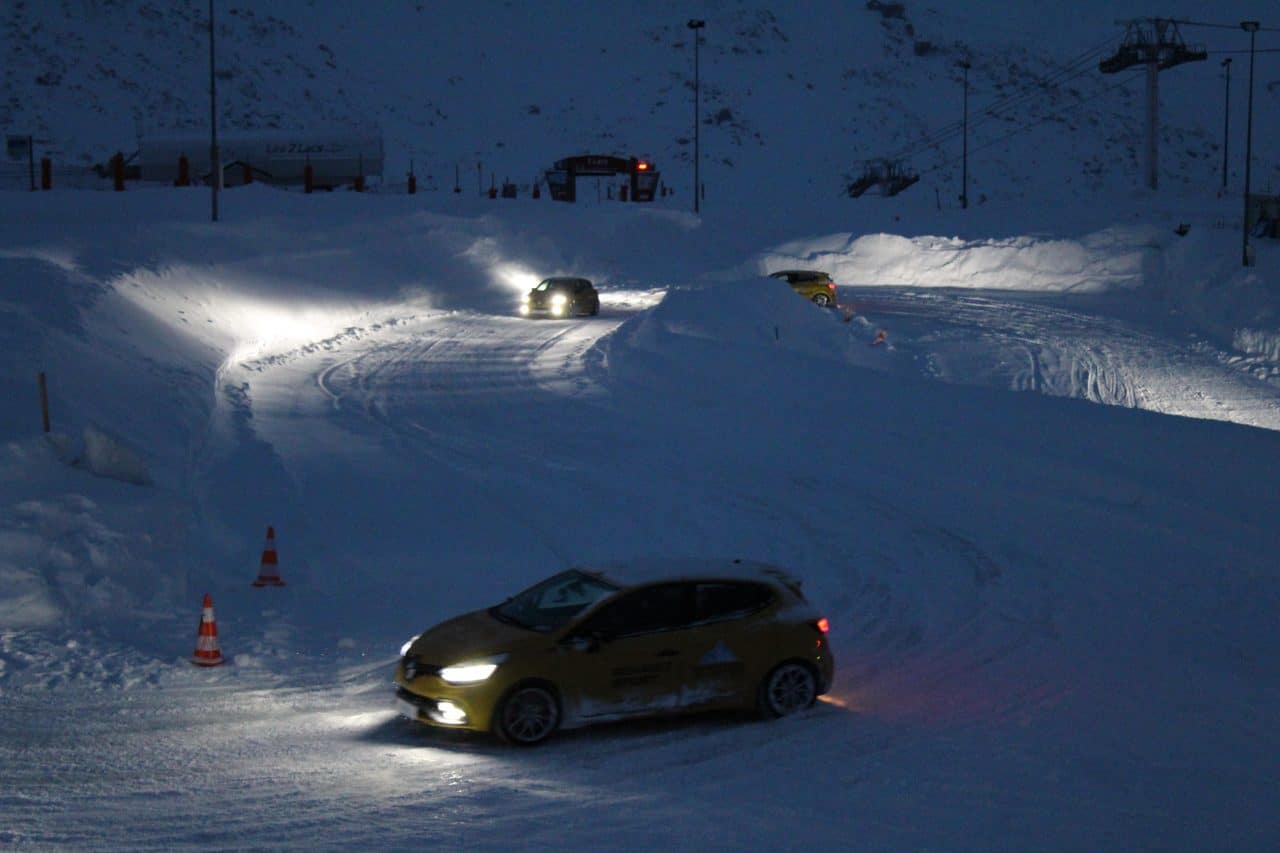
(44, 401)
(46, 173)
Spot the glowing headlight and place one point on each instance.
(404, 650)
(559, 300)
(450, 713)
(471, 671)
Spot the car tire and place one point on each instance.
(789, 687)
(822, 300)
(595, 309)
(527, 715)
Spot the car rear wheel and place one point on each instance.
(788, 688)
(529, 714)
(822, 299)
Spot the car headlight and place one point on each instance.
(404, 650)
(472, 671)
(559, 300)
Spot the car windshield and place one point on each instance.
(553, 284)
(551, 604)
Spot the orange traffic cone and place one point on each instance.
(269, 573)
(207, 652)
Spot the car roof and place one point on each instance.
(566, 279)
(649, 570)
(799, 272)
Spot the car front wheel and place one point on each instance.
(529, 714)
(789, 688)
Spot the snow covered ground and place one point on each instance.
(1053, 620)
(1027, 468)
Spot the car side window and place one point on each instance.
(719, 601)
(657, 608)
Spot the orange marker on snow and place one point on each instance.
(207, 652)
(269, 572)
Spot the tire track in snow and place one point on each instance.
(1030, 343)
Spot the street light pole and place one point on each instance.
(1251, 27)
(964, 169)
(1226, 121)
(696, 25)
(215, 177)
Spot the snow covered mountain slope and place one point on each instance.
(794, 97)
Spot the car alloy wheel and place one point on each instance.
(821, 299)
(789, 688)
(528, 715)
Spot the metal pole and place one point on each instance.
(1251, 27)
(31, 161)
(696, 25)
(1153, 122)
(44, 401)
(964, 185)
(214, 164)
(1226, 121)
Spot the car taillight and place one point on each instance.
(831, 285)
(822, 625)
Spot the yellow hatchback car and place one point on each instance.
(590, 645)
(813, 285)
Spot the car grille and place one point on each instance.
(411, 698)
(416, 669)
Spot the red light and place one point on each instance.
(822, 625)
(642, 167)
(831, 285)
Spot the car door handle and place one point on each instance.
(668, 653)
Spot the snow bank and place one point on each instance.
(1108, 259)
(760, 312)
(1259, 342)
(109, 456)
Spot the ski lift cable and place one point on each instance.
(1062, 75)
(990, 112)
(1023, 128)
(1221, 26)
(1070, 71)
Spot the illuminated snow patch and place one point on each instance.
(1108, 259)
(230, 313)
(515, 277)
(632, 300)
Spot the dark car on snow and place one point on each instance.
(562, 296)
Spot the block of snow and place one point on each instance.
(108, 456)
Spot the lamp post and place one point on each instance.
(964, 169)
(696, 25)
(215, 177)
(1226, 121)
(1250, 27)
